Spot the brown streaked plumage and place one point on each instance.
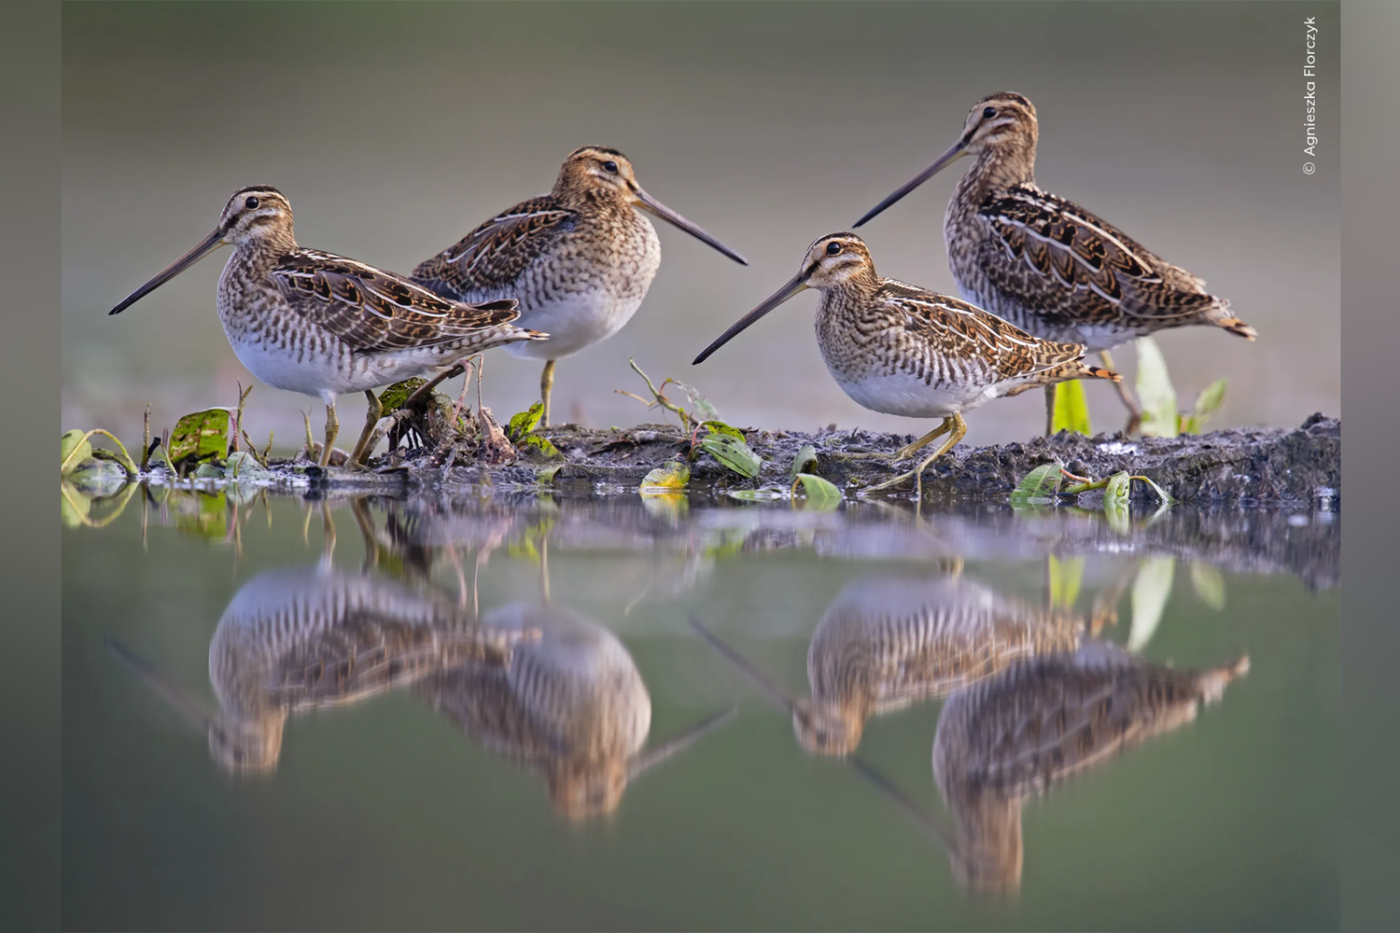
(572, 706)
(578, 259)
(1039, 723)
(885, 643)
(323, 325)
(904, 350)
(310, 638)
(1044, 263)
(1026, 730)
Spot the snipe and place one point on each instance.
(1048, 265)
(904, 350)
(323, 325)
(578, 259)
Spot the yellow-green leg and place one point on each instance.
(546, 388)
(903, 452)
(371, 419)
(332, 429)
(957, 426)
(1134, 410)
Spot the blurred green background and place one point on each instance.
(396, 128)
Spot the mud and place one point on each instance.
(1240, 465)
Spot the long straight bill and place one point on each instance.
(798, 283)
(942, 162)
(201, 249)
(654, 207)
(758, 677)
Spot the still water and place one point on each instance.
(588, 711)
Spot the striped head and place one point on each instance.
(1003, 125)
(827, 728)
(596, 173)
(1001, 120)
(255, 213)
(833, 261)
(257, 217)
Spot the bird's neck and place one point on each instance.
(997, 169)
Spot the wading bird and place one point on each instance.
(578, 259)
(1045, 264)
(904, 350)
(323, 325)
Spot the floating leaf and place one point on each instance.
(1209, 585)
(203, 515)
(1066, 577)
(74, 449)
(821, 494)
(807, 455)
(700, 406)
(1151, 589)
(674, 474)
(1071, 409)
(75, 506)
(1118, 490)
(392, 398)
(734, 453)
(522, 424)
(202, 435)
(1039, 486)
(1155, 392)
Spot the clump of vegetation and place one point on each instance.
(707, 432)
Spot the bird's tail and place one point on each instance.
(1220, 316)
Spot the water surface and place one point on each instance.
(498, 713)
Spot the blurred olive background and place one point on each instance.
(396, 128)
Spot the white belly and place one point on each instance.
(907, 395)
(573, 323)
(325, 376)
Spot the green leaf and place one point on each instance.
(522, 424)
(392, 398)
(821, 495)
(1118, 490)
(1151, 589)
(543, 444)
(1071, 409)
(806, 455)
(1209, 402)
(202, 515)
(753, 495)
(1209, 585)
(202, 435)
(719, 427)
(1039, 486)
(674, 474)
(1155, 392)
(75, 506)
(700, 406)
(74, 449)
(734, 453)
(546, 476)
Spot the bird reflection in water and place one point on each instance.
(1026, 730)
(298, 639)
(887, 642)
(571, 706)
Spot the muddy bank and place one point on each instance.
(1240, 465)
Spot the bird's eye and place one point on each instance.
(610, 167)
(833, 248)
(251, 203)
(988, 113)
